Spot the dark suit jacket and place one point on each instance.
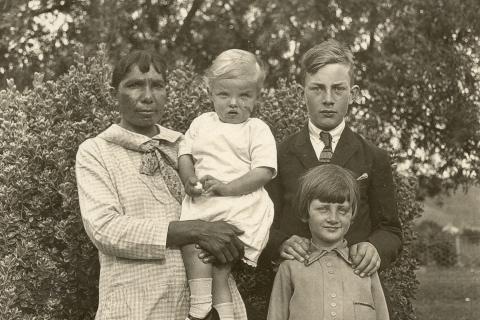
(376, 220)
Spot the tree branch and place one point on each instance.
(373, 27)
(184, 29)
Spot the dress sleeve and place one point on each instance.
(263, 149)
(379, 299)
(185, 145)
(282, 291)
(103, 216)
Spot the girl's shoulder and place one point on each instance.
(292, 265)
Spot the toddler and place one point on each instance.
(225, 160)
(325, 286)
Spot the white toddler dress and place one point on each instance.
(226, 152)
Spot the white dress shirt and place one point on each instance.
(317, 144)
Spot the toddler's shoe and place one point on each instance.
(212, 315)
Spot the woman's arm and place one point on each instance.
(108, 227)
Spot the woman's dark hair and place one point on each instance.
(141, 58)
(327, 183)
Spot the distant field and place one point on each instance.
(447, 294)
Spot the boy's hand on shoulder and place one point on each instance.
(193, 187)
(295, 247)
(365, 258)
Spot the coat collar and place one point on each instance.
(346, 148)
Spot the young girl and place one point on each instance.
(224, 161)
(325, 286)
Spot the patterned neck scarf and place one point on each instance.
(159, 154)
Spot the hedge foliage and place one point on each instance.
(48, 267)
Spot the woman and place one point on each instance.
(130, 193)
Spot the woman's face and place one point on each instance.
(141, 97)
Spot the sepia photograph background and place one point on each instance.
(417, 63)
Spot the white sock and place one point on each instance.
(225, 310)
(200, 297)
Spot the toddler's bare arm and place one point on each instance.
(249, 182)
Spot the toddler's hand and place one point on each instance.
(198, 186)
(215, 187)
(193, 187)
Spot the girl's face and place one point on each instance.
(329, 222)
(234, 99)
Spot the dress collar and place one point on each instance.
(132, 140)
(317, 253)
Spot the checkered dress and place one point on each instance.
(126, 215)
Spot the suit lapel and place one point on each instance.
(303, 150)
(346, 147)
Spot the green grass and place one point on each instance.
(447, 294)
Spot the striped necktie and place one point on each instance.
(327, 151)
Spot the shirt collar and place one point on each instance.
(318, 253)
(335, 132)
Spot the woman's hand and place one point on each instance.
(219, 239)
(220, 242)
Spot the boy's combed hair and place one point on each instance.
(326, 183)
(141, 58)
(236, 64)
(327, 52)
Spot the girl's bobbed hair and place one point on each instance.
(326, 183)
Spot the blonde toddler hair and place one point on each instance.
(236, 64)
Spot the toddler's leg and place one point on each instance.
(222, 297)
(199, 276)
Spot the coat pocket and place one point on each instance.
(364, 310)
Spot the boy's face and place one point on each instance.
(234, 99)
(328, 94)
(329, 222)
(141, 98)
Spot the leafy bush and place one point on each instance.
(48, 267)
(472, 235)
(434, 246)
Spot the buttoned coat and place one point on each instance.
(325, 287)
(377, 218)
